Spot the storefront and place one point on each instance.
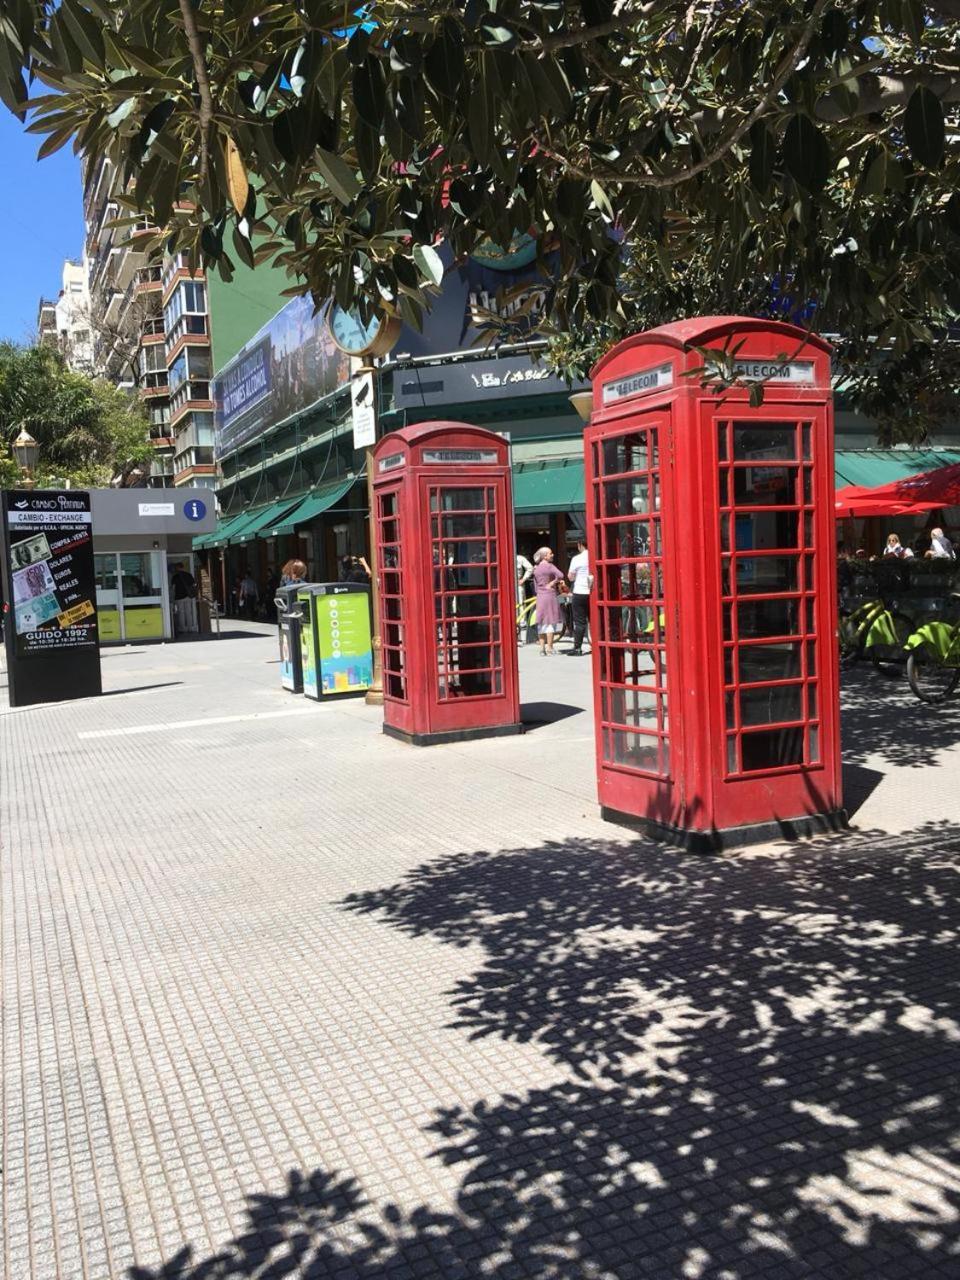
(139, 537)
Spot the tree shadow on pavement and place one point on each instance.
(881, 717)
(758, 1072)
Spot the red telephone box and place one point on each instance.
(711, 533)
(445, 561)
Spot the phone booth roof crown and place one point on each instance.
(701, 331)
(421, 432)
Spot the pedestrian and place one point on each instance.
(249, 596)
(941, 548)
(184, 588)
(581, 579)
(292, 573)
(546, 579)
(895, 549)
(354, 569)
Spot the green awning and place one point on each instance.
(554, 485)
(262, 519)
(225, 529)
(870, 467)
(313, 505)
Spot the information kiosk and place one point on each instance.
(711, 533)
(445, 562)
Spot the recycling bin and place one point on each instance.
(289, 616)
(335, 640)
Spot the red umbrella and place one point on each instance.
(911, 495)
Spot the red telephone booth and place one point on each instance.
(711, 533)
(445, 561)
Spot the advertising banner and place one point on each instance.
(50, 571)
(343, 636)
(288, 364)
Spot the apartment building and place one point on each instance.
(131, 299)
(47, 322)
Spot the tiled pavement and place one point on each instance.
(283, 997)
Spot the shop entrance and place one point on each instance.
(131, 596)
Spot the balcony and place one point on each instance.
(152, 327)
(147, 279)
(114, 303)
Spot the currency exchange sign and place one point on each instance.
(50, 589)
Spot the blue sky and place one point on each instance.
(41, 223)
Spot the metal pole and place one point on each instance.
(374, 696)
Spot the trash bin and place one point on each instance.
(289, 615)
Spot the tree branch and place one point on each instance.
(567, 39)
(880, 93)
(205, 116)
(664, 180)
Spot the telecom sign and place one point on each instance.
(195, 509)
(637, 383)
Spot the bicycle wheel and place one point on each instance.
(931, 679)
(890, 659)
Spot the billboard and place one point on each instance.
(286, 365)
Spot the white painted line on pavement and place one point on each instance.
(132, 729)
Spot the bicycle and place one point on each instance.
(527, 620)
(874, 629)
(933, 661)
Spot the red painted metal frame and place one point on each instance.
(444, 555)
(730, 725)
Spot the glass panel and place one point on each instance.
(461, 526)
(724, 488)
(766, 574)
(725, 588)
(730, 702)
(457, 500)
(392, 608)
(766, 531)
(771, 704)
(808, 529)
(811, 702)
(731, 755)
(631, 707)
(811, 657)
(771, 749)
(393, 634)
(807, 442)
(637, 750)
(769, 662)
(476, 631)
(807, 485)
(764, 440)
(728, 665)
(764, 486)
(723, 435)
(814, 744)
(768, 618)
(388, 531)
(626, 539)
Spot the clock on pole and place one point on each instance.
(356, 338)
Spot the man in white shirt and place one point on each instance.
(941, 548)
(582, 581)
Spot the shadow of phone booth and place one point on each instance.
(711, 533)
(445, 560)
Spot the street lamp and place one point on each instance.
(582, 401)
(25, 451)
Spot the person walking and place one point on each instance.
(249, 596)
(581, 580)
(546, 579)
(184, 588)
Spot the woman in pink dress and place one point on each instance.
(546, 579)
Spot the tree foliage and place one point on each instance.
(88, 431)
(801, 152)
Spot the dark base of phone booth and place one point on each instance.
(718, 839)
(452, 735)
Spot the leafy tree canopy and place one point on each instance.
(789, 155)
(88, 431)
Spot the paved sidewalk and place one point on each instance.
(284, 997)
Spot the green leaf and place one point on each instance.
(924, 129)
(496, 34)
(369, 93)
(85, 31)
(429, 262)
(763, 156)
(806, 154)
(340, 178)
(243, 248)
(55, 141)
(601, 199)
(884, 173)
(357, 47)
(952, 213)
(119, 114)
(480, 116)
(443, 63)
(834, 30)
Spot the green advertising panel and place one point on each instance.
(343, 639)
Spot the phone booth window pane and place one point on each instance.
(764, 440)
(764, 575)
(759, 618)
(764, 486)
(764, 531)
(771, 749)
(771, 704)
(769, 662)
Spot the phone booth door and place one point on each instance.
(393, 597)
(633, 606)
(468, 567)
